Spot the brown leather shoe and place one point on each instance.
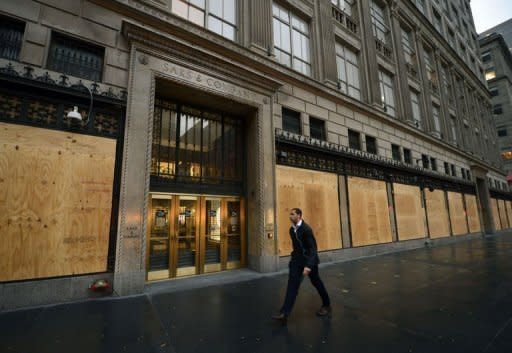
(324, 311)
(282, 318)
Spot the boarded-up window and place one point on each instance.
(369, 212)
(457, 213)
(410, 215)
(316, 193)
(495, 214)
(508, 207)
(55, 202)
(503, 214)
(472, 213)
(437, 214)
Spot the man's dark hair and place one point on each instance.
(297, 211)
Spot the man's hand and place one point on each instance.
(306, 272)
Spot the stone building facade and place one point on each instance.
(497, 61)
(215, 117)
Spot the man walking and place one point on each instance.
(304, 262)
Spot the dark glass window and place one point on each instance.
(317, 128)
(494, 92)
(446, 168)
(371, 144)
(11, 34)
(425, 161)
(463, 173)
(194, 145)
(395, 151)
(291, 121)
(75, 57)
(486, 56)
(354, 139)
(502, 132)
(454, 172)
(407, 156)
(497, 109)
(433, 164)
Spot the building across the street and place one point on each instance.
(497, 61)
(199, 124)
(505, 29)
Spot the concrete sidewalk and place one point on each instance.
(454, 298)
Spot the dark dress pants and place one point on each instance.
(295, 277)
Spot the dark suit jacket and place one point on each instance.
(304, 246)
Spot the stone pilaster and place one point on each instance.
(403, 97)
(327, 42)
(370, 55)
(260, 29)
(426, 96)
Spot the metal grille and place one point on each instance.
(39, 111)
(76, 58)
(11, 34)
(195, 146)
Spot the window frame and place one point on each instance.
(64, 40)
(346, 86)
(292, 54)
(322, 128)
(291, 114)
(355, 134)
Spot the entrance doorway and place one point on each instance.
(194, 234)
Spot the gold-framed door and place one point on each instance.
(192, 234)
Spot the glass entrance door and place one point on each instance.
(191, 234)
(186, 236)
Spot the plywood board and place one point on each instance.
(508, 207)
(495, 213)
(472, 213)
(316, 193)
(503, 214)
(410, 215)
(369, 211)
(55, 202)
(457, 213)
(437, 213)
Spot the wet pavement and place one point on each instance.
(454, 298)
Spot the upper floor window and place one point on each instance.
(407, 45)
(497, 109)
(387, 92)
(494, 92)
(425, 161)
(75, 57)
(344, 5)
(446, 168)
(436, 118)
(407, 156)
(430, 67)
(371, 144)
(291, 121)
(490, 74)
(395, 152)
(486, 56)
(416, 112)
(379, 23)
(291, 40)
(219, 15)
(438, 25)
(453, 128)
(354, 139)
(317, 128)
(11, 34)
(347, 64)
